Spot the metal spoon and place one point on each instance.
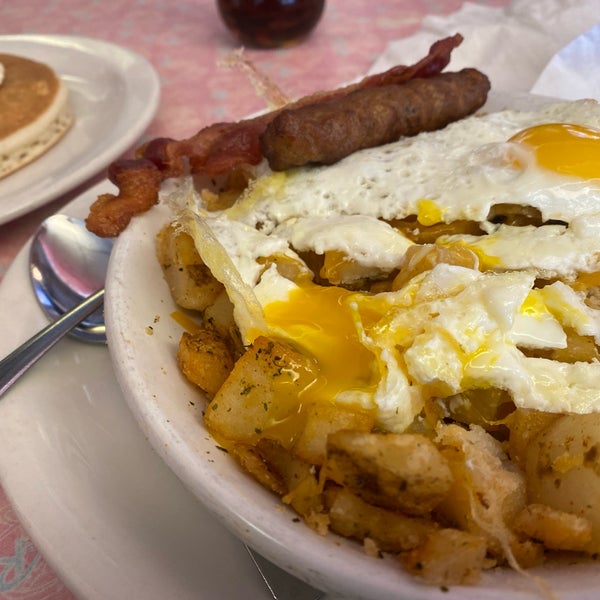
(67, 267)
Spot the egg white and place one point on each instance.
(461, 168)
(451, 328)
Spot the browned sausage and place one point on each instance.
(326, 133)
(221, 147)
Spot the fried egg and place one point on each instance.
(449, 328)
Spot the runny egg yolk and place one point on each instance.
(321, 322)
(533, 305)
(564, 148)
(429, 213)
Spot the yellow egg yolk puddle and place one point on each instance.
(429, 213)
(564, 148)
(321, 322)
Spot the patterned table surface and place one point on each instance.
(184, 41)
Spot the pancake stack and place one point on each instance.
(34, 111)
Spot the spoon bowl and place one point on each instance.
(67, 264)
(68, 271)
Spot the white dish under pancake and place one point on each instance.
(113, 94)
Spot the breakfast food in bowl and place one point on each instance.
(402, 343)
(223, 149)
(34, 111)
(412, 343)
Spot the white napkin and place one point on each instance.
(514, 45)
(574, 72)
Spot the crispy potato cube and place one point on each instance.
(524, 425)
(250, 459)
(487, 491)
(191, 283)
(563, 469)
(220, 315)
(205, 358)
(323, 419)
(260, 396)
(303, 488)
(556, 529)
(290, 469)
(448, 557)
(399, 471)
(527, 553)
(352, 517)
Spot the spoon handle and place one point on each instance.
(19, 360)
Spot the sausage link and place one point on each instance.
(326, 133)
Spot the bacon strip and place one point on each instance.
(218, 148)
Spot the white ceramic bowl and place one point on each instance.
(143, 340)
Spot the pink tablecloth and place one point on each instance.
(184, 40)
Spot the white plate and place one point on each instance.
(108, 515)
(143, 340)
(114, 94)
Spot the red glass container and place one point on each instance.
(270, 23)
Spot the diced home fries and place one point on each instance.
(418, 370)
(450, 499)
